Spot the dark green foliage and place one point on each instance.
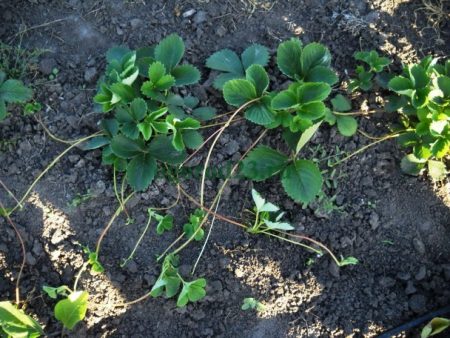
(373, 68)
(147, 123)
(235, 67)
(423, 101)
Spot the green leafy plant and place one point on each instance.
(423, 102)
(372, 69)
(192, 229)
(252, 304)
(234, 67)
(299, 110)
(165, 223)
(96, 266)
(170, 281)
(149, 124)
(12, 91)
(435, 326)
(16, 323)
(263, 221)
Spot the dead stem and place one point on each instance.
(22, 244)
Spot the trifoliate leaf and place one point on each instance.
(192, 292)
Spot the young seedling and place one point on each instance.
(12, 91)
(170, 281)
(80, 199)
(263, 220)
(375, 64)
(252, 304)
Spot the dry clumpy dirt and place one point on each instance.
(397, 226)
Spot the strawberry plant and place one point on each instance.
(12, 91)
(372, 69)
(263, 221)
(170, 281)
(299, 110)
(423, 102)
(147, 123)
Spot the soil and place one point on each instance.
(397, 226)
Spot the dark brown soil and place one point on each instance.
(397, 226)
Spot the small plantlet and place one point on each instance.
(53, 74)
(263, 220)
(96, 266)
(375, 64)
(423, 101)
(12, 91)
(192, 229)
(170, 282)
(348, 261)
(434, 327)
(80, 199)
(252, 304)
(16, 323)
(31, 108)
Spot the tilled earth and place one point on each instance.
(397, 226)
